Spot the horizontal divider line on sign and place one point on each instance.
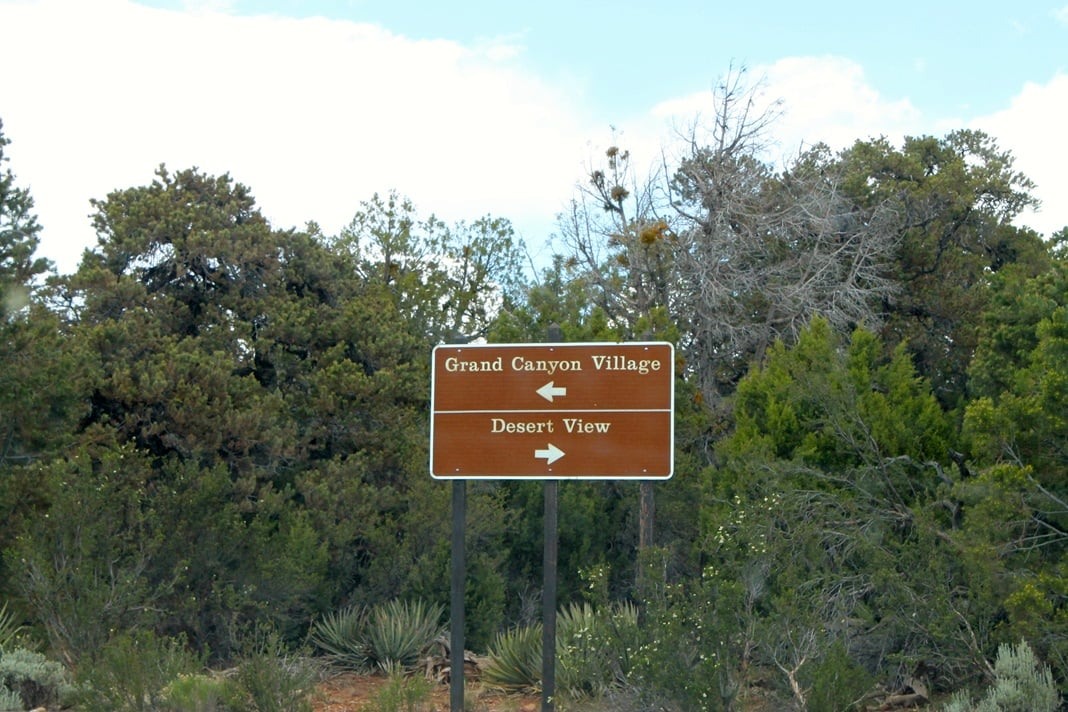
(593, 411)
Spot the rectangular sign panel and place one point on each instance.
(553, 411)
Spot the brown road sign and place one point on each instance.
(553, 411)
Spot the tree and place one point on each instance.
(725, 251)
(617, 245)
(760, 252)
(39, 369)
(449, 282)
(27, 333)
(19, 238)
(955, 198)
(819, 511)
(256, 429)
(1014, 499)
(267, 396)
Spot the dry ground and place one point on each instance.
(349, 692)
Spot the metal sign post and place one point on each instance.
(459, 575)
(548, 596)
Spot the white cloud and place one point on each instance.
(202, 6)
(1032, 127)
(823, 99)
(1061, 15)
(829, 99)
(314, 115)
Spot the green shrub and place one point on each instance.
(593, 648)
(393, 633)
(515, 660)
(342, 636)
(9, 628)
(271, 679)
(836, 682)
(399, 632)
(1021, 684)
(684, 660)
(10, 700)
(35, 680)
(82, 574)
(403, 693)
(195, 693)
(132, 673)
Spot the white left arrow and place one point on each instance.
(550, 454)
(551, 390)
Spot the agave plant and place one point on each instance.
(592, 647)
(9, 628)
(342, 636)
(400, 632)
(515, 660)
(9, 699)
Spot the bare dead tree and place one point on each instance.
(759, 252)
(617, 236)
(735, 252)
(795, 647)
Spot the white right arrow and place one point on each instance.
(550, 389)
(550, 454)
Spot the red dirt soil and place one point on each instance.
(349, 692)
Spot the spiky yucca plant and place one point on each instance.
(400, 632)
(10, 700)
(9, 627)
(593, 647)
(342, 635)
(515, 660)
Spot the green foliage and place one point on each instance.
(597, 524)
(425, 553)
(10, 700)
(1021, 684)
(216, 423)
(19, 237)
(84, 561)
(33, 679)
(342, 636)
(270, 678)
(956, 197)
(515, 660)
(139, 671)
(269, 409)
(40, 370)
(824, 522)
(403, 693)
(9, 628)
(594, 647)
(837, 407)
(399, 632)
(685, 659)
(132, 672)
(1019, 371)
(195, 693)
(1011, 516)
(391, 635)
(1009, 327)
(835, 682)
(116, 551)
(451, 282)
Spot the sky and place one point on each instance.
(489, 107)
